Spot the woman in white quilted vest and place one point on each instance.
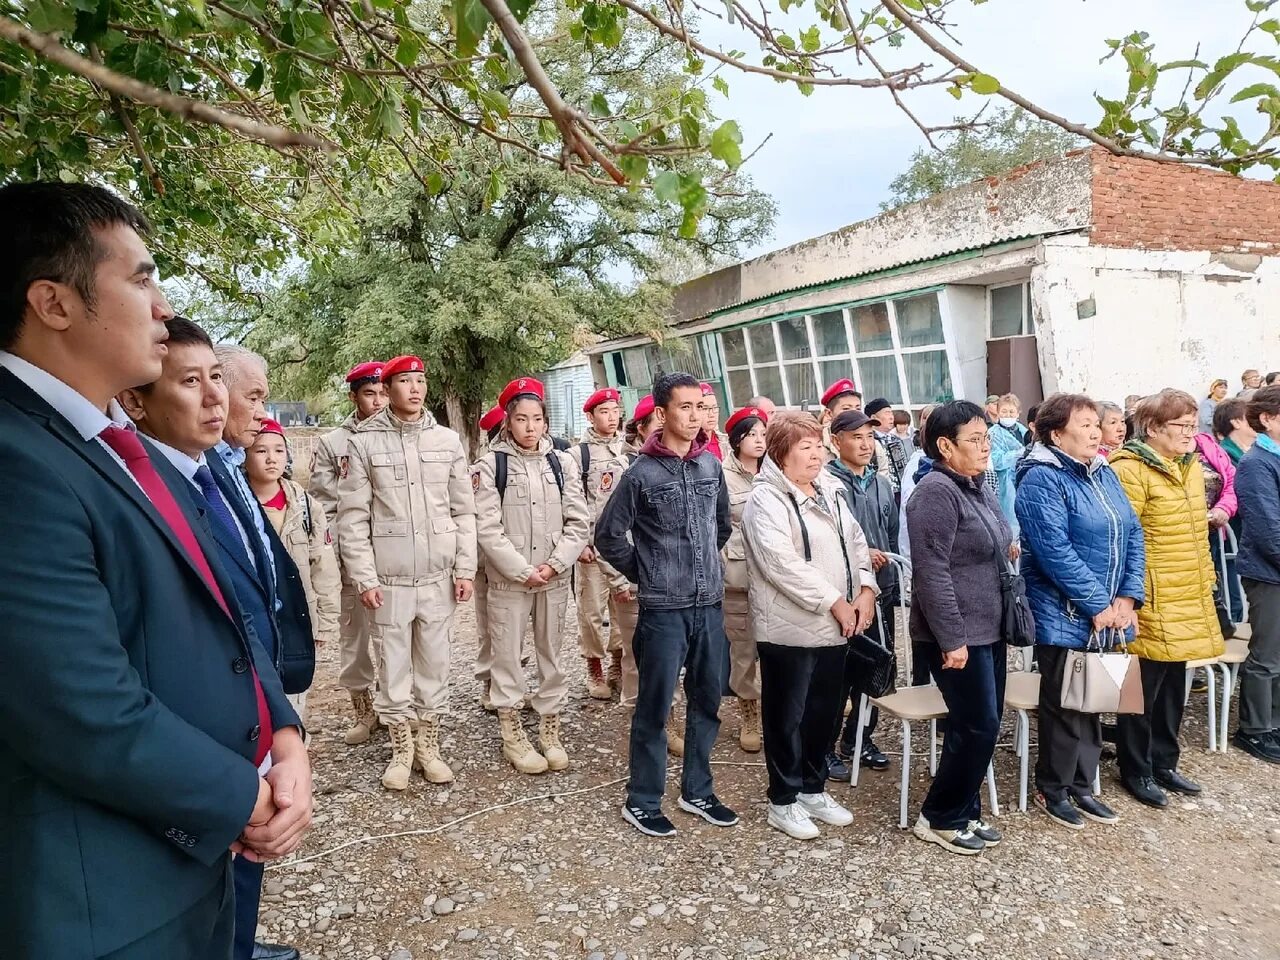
(811, 587)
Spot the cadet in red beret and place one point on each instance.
(491, 422)
(356, 672)
(711, 422)
(402, 364)
(840, 390)
(644, 409)
(603, 593)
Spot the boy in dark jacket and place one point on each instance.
(871, 498)
(674, 504)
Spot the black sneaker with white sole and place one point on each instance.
(1061, 811)
(985, 832)
(652, 823)
(711, 810)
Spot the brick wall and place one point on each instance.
(1169, 206)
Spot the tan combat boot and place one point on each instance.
(549, 740)
(516, 746)
(366, 720)
(675, 734)
(750, 736)
(615, 671)
(396, 776)
(486, 697)
(428, 753)
(597, 686)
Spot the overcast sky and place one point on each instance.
(833, 154)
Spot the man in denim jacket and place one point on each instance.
(674, 504)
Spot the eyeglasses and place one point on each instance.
(1187, 429)
(979, 442)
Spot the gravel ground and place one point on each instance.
(559, 875)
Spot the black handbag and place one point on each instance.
(1017, 628)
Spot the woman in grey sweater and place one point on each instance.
(958, 536)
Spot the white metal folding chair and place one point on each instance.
(912, 704)
(1237, 651)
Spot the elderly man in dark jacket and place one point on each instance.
(873, 504)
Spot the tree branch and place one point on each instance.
(48, 46)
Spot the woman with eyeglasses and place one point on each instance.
(959, 539)
(1165, 482)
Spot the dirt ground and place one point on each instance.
(554, 872)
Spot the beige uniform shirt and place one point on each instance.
(532, 523)
(406, 515)
(607, 461)
(329, 466)
(312, 552)
(739, 482)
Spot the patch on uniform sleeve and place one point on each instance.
(606, 481)
(343, 467)
(328, 538)
(475, 481)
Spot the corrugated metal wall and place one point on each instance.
(567, 390)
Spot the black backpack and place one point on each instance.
(500, 472)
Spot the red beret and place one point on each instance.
(524, 387)
(707, 390)
(601, 396)
(371, 370)
(838, 389)
(644, 407)
(405, 364)
(492, 418)
(271, 426)
(743, 414)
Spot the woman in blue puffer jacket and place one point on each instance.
(1084, 564)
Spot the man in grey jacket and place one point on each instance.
(674, 504)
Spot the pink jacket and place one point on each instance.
(1221, 462)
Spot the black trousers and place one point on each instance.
(1148, 741)
(1070, 741)
(799, 707)
(202, 933)
(248, 882)
(975, 704)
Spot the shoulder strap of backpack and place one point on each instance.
(500, 473)
(585, 450)
(804, 530)
(306, 512)
(557, 470)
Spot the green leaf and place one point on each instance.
(408, 49)
(496, 189)
(600, 106)
(984, 84)
(726, 144)
(811, 39)
(691, 130)
(435, 184)
(470, 19)
(635, 166)
(1221, 70)
(955, 90)
(496, 102)
(1256, 90)
(50, 16)
(785, 42)
(667, 187)
(1184, 65)
(520, 8)
(721, 85)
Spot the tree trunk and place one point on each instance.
(464, 418)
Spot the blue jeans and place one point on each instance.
(665, 641)
(975, 704)
(248, 886)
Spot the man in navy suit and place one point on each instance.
(136, 707)
(185, 413)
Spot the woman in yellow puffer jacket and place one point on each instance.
(1164, 481)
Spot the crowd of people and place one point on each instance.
(166, 582)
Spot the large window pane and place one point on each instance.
(871, 327)
(829, 335)
(763, 349)
(919, 321)
(769, 382)
(879, 379)
(637, 365)
(795, 338)
(800, 382)
(740, 389)
(735, 348)
(928, 377)
(1006, 311)
(833, 370)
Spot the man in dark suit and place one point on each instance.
(185, 413)
(135, 706)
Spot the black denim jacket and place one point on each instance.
(677, 514)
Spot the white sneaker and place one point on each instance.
(822, 806)
(792, 820)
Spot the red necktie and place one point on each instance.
(130, 449)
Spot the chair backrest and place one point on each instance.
(902, 567)
(1230, 549)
